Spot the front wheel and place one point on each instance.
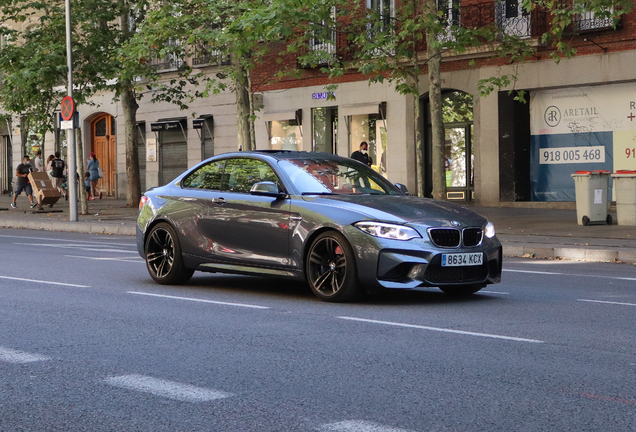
(331, 268)
(461, 290)
(163, 256)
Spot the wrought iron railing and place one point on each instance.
(588, 22)
(323, 46)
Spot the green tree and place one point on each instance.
(234, 35)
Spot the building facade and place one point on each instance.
(580, 115)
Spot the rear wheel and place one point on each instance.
(163, 256)
(461, 290)
(331, 268)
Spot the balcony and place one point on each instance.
(587, 22)
(323, 48)
(508, 16)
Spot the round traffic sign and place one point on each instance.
(68, 108)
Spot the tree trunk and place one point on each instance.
(80, 161)
(133, 184)
(243, 111)
(437, 121)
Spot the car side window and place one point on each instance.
(206, 177)
(242, 173)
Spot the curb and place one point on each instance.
(578, 254)
(79, 227)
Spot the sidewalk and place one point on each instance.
(530, 232)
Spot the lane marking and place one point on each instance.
(444, 330)
(607, 302)
(71, 241)
(358, 426)
(494, 292)
(19, 357)
(131, 260)
(165, 388)
(44, 282)
(572, 274)
(78, 247)
(198, 300)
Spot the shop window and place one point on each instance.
(325, 129)
(370, 128)
(285, 135)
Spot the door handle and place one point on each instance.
(219, 201)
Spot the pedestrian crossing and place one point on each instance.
(184, 392)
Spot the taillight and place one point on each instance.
(142, 202)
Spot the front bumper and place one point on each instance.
(418, 263)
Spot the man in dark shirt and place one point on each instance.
(22, 184)
(362, 155)
(57, 178)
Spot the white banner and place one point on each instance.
(603, 108)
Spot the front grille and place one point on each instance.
(437, 274)
(472, 236)
(445, 237)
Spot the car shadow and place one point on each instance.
(297, 290)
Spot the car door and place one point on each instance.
(197, 218)
(251, 230)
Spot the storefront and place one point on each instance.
(580, 128)
(172, 142)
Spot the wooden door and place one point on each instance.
(104, 146)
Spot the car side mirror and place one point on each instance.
(266, 188)
(402, 188)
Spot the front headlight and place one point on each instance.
(387, 231)
(490, 230)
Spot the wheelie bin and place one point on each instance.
(591, 197)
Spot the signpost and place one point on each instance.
(69, 103)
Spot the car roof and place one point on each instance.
(285, 154)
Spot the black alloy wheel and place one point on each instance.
(163, 256)
(331, 268)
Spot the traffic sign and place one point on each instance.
(68, 108)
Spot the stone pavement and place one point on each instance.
(530, 232)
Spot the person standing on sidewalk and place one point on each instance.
(362, 155)
(58, 166)
(22, 184)
(39, 165)
(93, 169)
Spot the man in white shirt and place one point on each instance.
(39, 165)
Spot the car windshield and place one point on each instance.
(330, 176)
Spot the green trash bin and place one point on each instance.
(591, 197)
(625, 190)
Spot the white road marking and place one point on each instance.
(131, 260)
(358, 426)
(494, 292)
(164, 388)
(607, 302)
(572, 274)
(78, 247)
(462, 332)
(18, 357)
(199, 300)
(44, 282)
(100, 243)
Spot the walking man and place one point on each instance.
(57, 180)
(39, 165)
(22, 173)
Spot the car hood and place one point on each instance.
(404, 209)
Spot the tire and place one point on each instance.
(609, 220)
(461, 290)
(585, 220)
(330, 268)
(163, 256)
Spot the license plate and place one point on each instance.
(462, 259)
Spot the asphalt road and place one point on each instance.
(89, 343)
